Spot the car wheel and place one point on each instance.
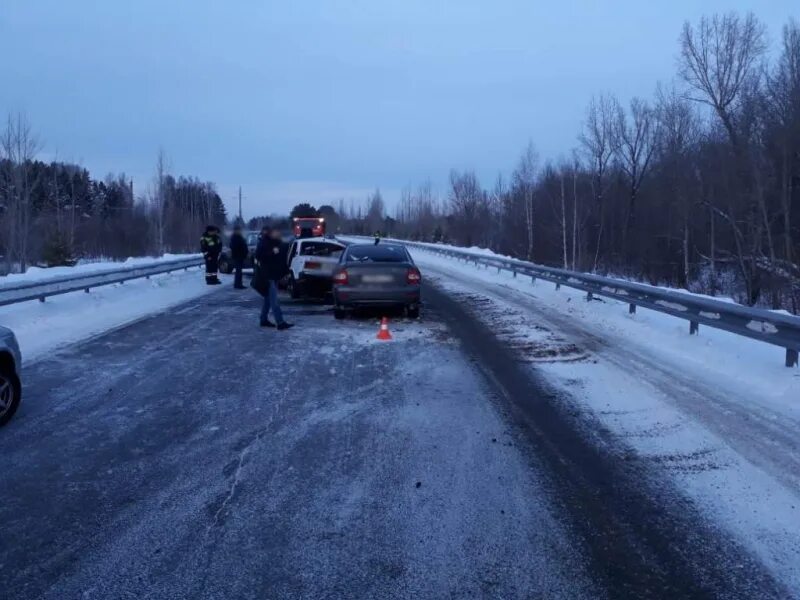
(224, 265)
(10, 393)
(292, 286)
(412, 312)
(338, 313)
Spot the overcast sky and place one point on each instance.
(315, 100)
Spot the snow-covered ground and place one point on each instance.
(37, 274)
(716, 413)
(44, 326)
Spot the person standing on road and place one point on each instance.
(211, 246)
(271, 267)
(238, 255)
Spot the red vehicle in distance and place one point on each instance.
(305, 227)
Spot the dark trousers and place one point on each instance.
(212, 266)
(238, 265)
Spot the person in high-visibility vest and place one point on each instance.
(211, 247)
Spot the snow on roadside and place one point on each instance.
(36, 274)
(42, 327)
(487, 253)
(733, 452)
(729, 360)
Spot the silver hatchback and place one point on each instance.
(10, 363)
(376, 275)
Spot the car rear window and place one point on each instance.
(320, 249)
(377, 253)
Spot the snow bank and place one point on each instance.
(42, 274)
(713, 355)
(42, 327)
(716, 414)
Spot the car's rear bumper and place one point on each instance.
(351, 297)
(313, 283)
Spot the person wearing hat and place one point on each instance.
(238, 254)
(211, 247)
(271, 267)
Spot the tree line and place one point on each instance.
(698, 186)
(54, 213)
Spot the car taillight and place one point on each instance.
(310, 264)
(413, 277)
(340, 278)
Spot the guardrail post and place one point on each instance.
(694, 327)
(533, 279)
(558, 286)
(41, 298)
(589, 296)
(498, 270)
(631, 309)
(515, 273)
(791, 357)
(86, 290)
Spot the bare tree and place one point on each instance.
(717, 58)
(376, 211)
(635, 136)
(783, 99)
(159, 200)
(597, 141)
(524, 179)
(679, 134)
(468, 205)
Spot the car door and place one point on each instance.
(294, 260)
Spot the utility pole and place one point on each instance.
(240, 205)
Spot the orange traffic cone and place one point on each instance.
(384, 334)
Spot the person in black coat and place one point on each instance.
(270, 268)
(238, 255)
(211, 247)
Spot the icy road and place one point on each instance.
(192, 455)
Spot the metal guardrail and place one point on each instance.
(39, 290)
(759, 324)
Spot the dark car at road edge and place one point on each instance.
(376, 275)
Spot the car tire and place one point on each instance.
(11, 391)
(292, 287)
(224, 265)
(338, 313)
(412, 312)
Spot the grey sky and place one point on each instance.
(320, 100)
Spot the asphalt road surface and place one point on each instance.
(194, 455)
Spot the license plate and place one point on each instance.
(377, 278)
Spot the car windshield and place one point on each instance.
(377, 253)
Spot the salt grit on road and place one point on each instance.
(210, 458)
(717, 414)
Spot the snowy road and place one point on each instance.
(191, 454)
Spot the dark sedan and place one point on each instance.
(376, 275)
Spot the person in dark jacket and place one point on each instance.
(238, 255)
(211, 246)
(271, 267)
